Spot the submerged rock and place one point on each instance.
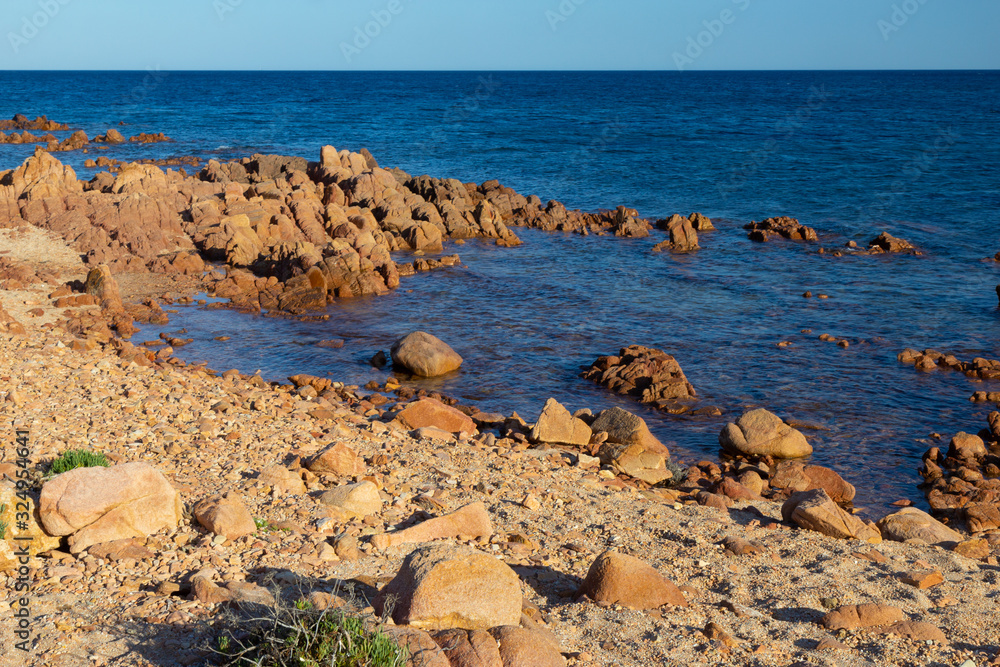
(646, 374)
(425, 355)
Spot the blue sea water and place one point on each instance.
(851, 154)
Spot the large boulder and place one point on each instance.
(556, 425)
(761, 433)
(95, 505)
(430, 412)
(441, 587)
(425, 355)
(815, 510)
(910, 523)
(619, 579)
(630, 447)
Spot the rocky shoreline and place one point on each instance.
(344, 494)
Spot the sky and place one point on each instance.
(499, 34)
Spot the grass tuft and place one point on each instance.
(299, 635)
(77, 458)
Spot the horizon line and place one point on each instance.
(511, 71)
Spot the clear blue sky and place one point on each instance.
(500, 34)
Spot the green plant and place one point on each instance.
(299, 635)
(77, 458)
(3, 524)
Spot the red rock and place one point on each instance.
(441, 587)
(630, 582)
(431, 412)
(471, 520)
(521, 647)
(861, 616)
(922, 578)
(225, 515)
(796, 476)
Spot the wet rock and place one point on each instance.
(815, 510)
(910, 523)
(785, 227)
(887, 243)
(441, 587)
(225, 515)
(472, 521)
(94, 505)
(425, 355)
(556, 425)
(646, 374)
(701, 222)
(683, 237)
(761, 433)
(620, 579)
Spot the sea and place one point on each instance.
(851, 154)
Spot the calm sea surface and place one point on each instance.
(849, 153)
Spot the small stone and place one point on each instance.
(922, 578)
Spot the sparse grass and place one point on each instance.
(77, 458)
(300, 635)
(3, 524)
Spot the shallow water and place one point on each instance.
(917, 154)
